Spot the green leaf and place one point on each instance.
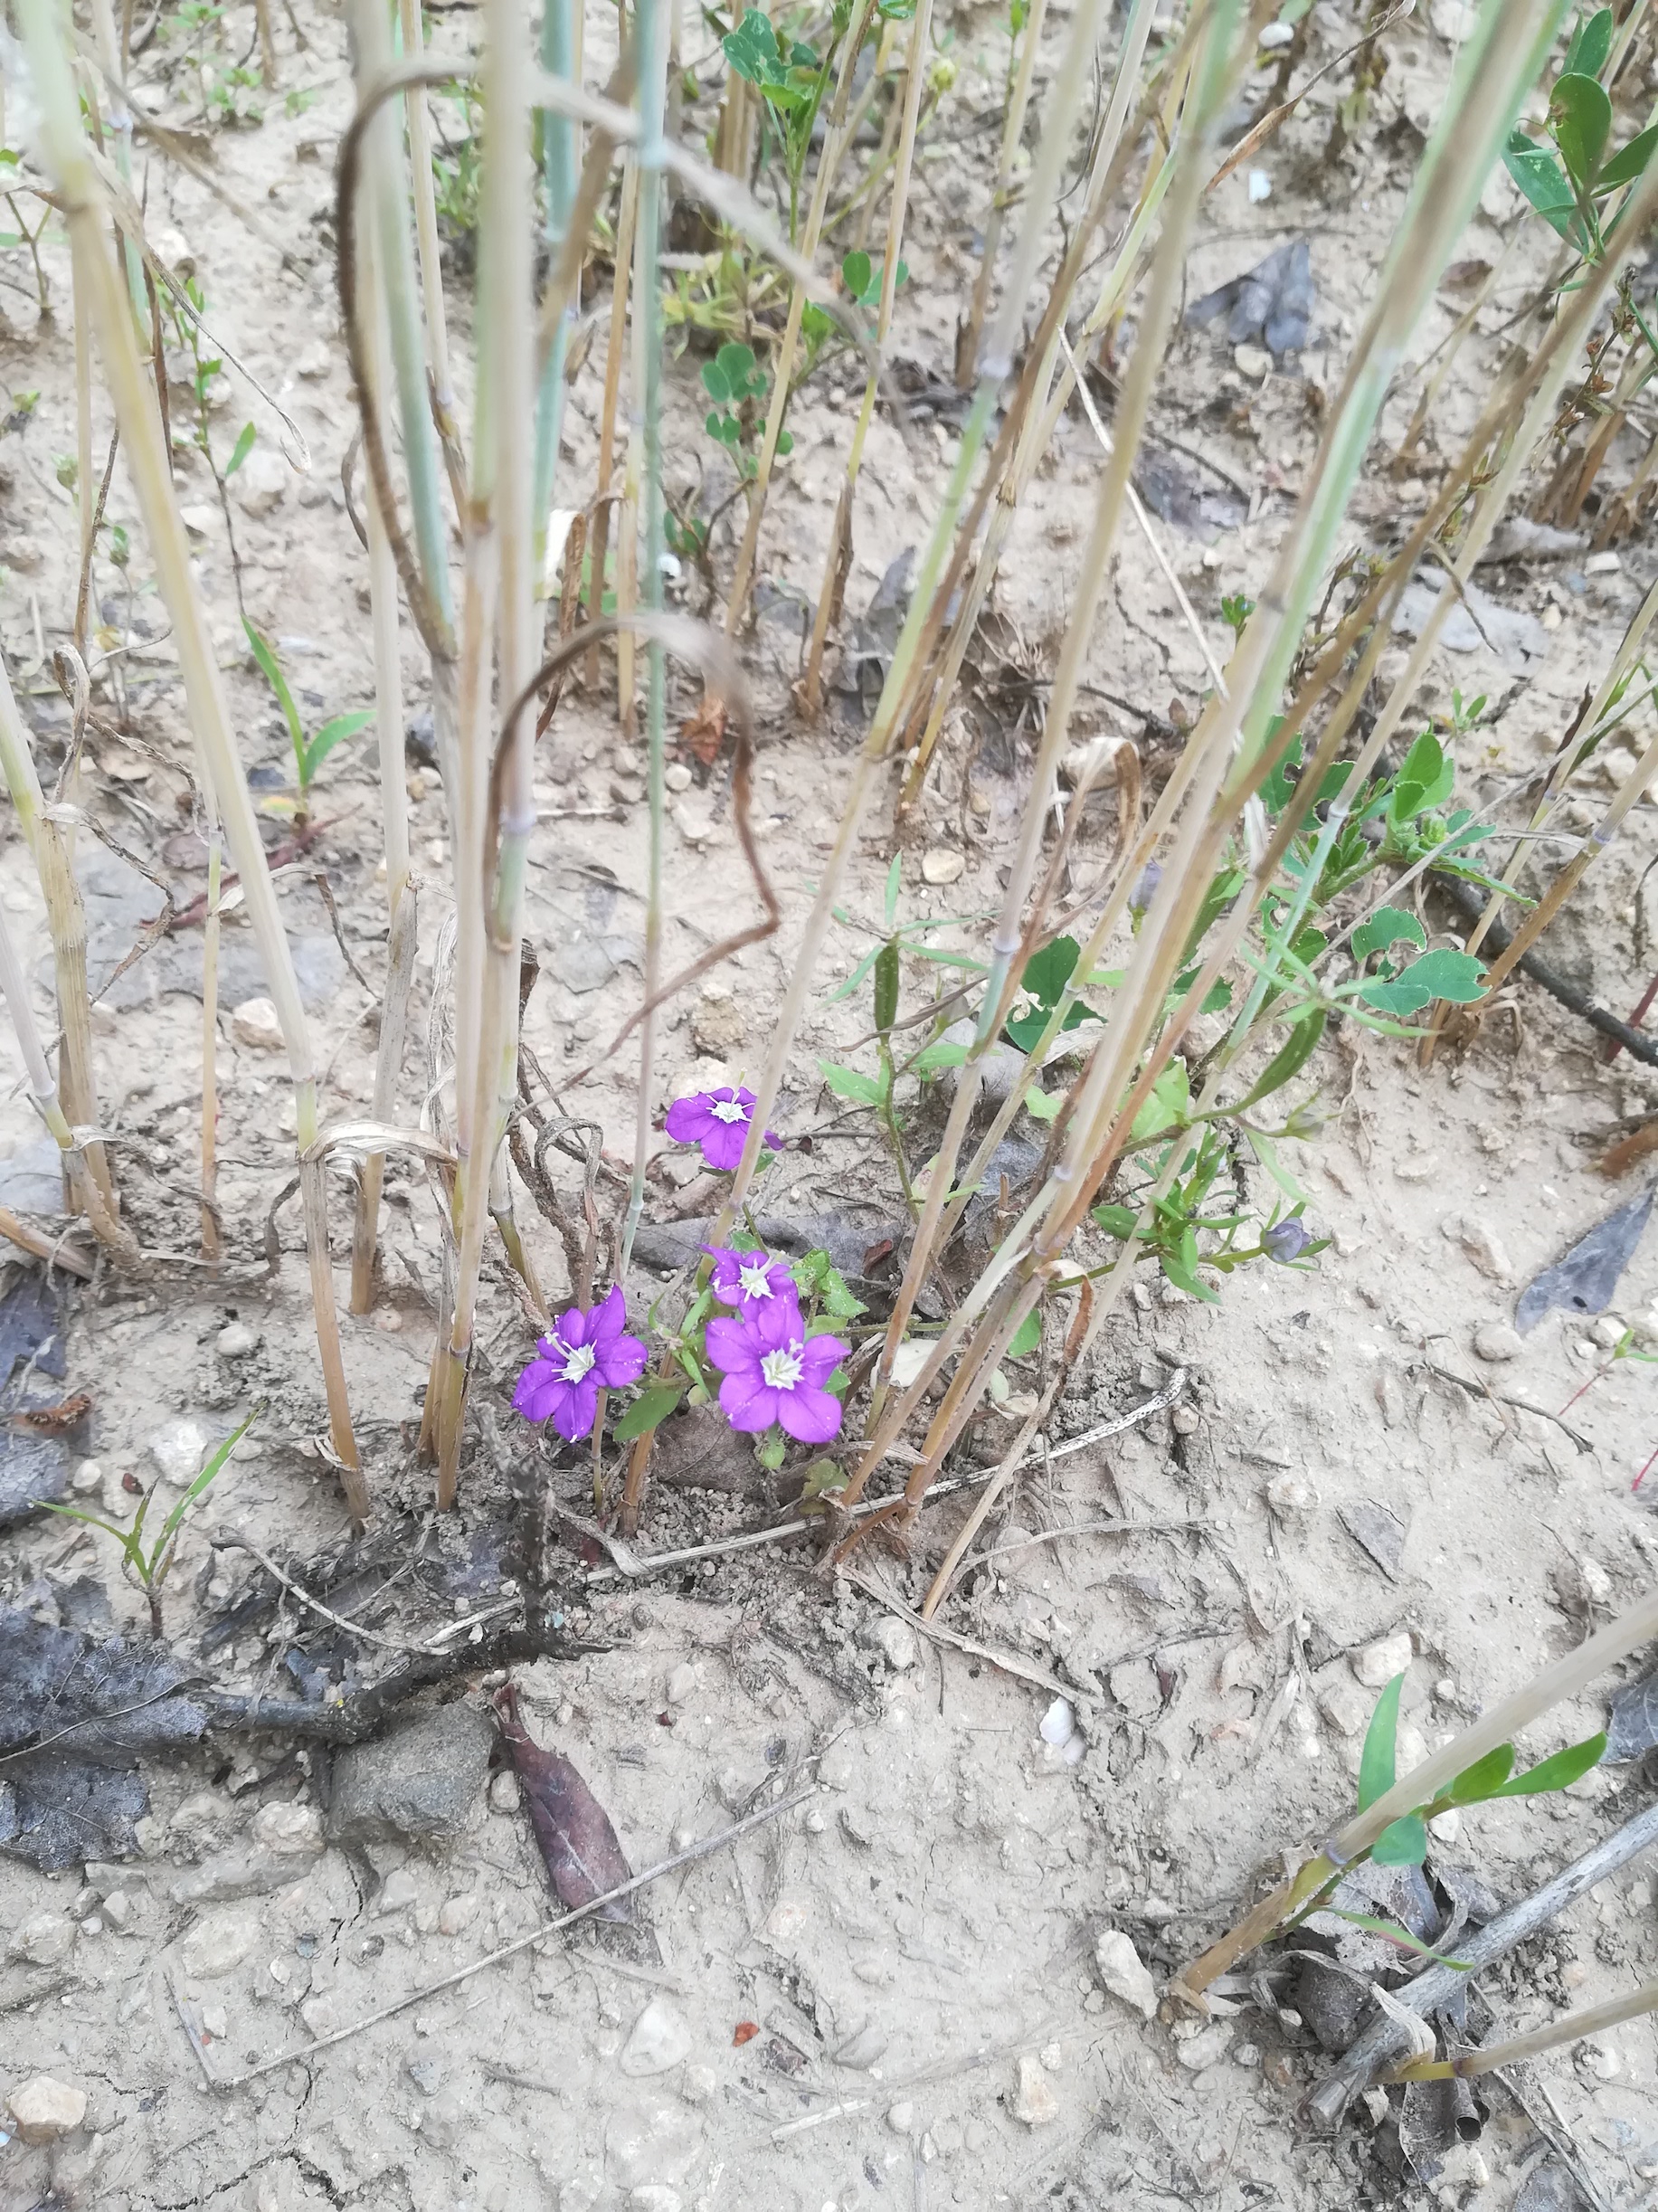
(1455, 976)
(1629, 162)
(1404, 1844)
(847, 1082)
(272, 669)
(1386, 926)
(1116, 1220)
(1049, 971)
(1591, 44)
(1044, 1105)
(1028, 1336)
(648, 1411)
(715, 385)
(1539, 178)
(941, 1053)
(785, 444)
(895, 883)
(855, 274)
(1426, 779)
(244, 446)
(1167, 1106)
(1581, 115)
(735, 364)
(1376, 1763)
(332, 734)
(1474, 1784)
(1395, 1934)
(1556, 1773)
(1289, 1059)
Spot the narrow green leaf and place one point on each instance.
(1395, 1934)
(244, 447)
(941, 1053)
(1288, 1061)
(648, 1411)
(332, 734)
(273, 670)
(1376, 1763)
(1474, 1784)
(1116, 1220)
(215, 1462)
(1556, 1773)
(1540, 179)
(1590, 46)
(1404, 1844)
(1629, 162)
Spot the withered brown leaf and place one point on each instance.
(578, 1845)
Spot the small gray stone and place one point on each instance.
(45, 2108)
(1033, 2101)
(1203, 2050)
(179, 1448)
(1495, 1340)
(420, 1781)
(1000, 1068)
(893, 1639)
(426, 2073)
(901, 2117)
(219, 1944)
(662, 2038)
(235, 1341)
(32, 1179)
(46, 1939)
(1377, 1664)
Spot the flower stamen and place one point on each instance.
(754, 1281)
(578, 1360)
(729, 1109)
(782, 1369)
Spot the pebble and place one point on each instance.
(662, 2038)
(46, 1939)
(1346, 1707)
(45, 2108)
(1203, 2050)
(698, 2084)
(1034, 2101)
(88, 1476)
(901, 2117)
(219, 1944)
(456, 1914)
(1603, 2063)
(717, 1027)
(254, 1024)
(894, 1640)
(1483, 1246)
(1058, 1723)
(694, 820)
(1252, 361)
(682, 1684)
(236, 1339)
(118, 1908)
(178, 1450)
(1377, 1664)
(1292, 1495)
(940, 865)
(420, 1781)
(1495, 1340)
(677, 776)
(654, 2197)
(505, 1795)
(397, 1892)
(1125, 1972)
(291, 1831)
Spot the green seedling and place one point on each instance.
(821, 334)
(736, 384)
(150, 1567)
(309, 752)
(205, 371)
(1405, 1842)
(792, 81)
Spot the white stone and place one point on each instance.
(682, 1684)
(45, 2108)
(654, 2197)
(261, 484)
(456, 1914)
(291, 1831)
(1292, 1495)
(398, 1892)
(896, 1642)
(236, 1339)
(1034, 2101)
(1058, 1723)
(505, 1795)
(1495, 1340)
(1377, 1664)
(88, 1476)
(940, 865)
(698, 2084)
(219, 1943)
(662, 2038)
(254, 1024)
(694, 820)
(1345, 1706)
(901, 2117)
(1202, 2051)
(676, 776)
(45, 1939)
(178, 1450)
(1483, 1246)
(1124, 1973)
(118, 1908)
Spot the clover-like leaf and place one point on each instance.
(1387, 927)
(1581, 116)
(1457, 977)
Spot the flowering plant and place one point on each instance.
(751, 1280)
(587, 1346)
(717, 1120)
(775, 1374)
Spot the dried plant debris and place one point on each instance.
(1587, 1279)
(1189, 498)
(1270, 304)
(1433, 2118)
(868, 650)
(1632, 1730)
(579, 1848)
(1549, 2188)
(1378, 1532)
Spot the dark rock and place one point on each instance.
(420, 1782)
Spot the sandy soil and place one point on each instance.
(915, 1943)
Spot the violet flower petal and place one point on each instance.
(621, 1361)
(534, 1395)
(607, 1320)
(731, 1346)
(748, 1404)
(573, 1407)
(809, 1416)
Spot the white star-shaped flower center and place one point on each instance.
(754, 1281)
(577, 1360)
(729, 1109)
(781, 1371)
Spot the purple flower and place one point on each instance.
(1287, 1239)
(751, 1282)
(586, 1347)
(718, 1121)
(775, 1373)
